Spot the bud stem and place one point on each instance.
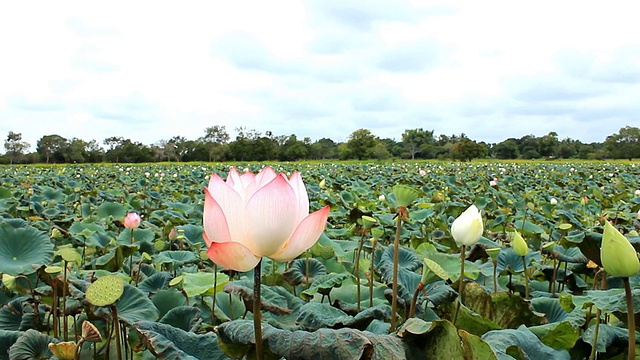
(257, 314)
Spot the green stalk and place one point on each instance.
(396, 249)
(131, 256)
(116, 327)
(495, 276)
(461, 280)
(592, 356)
(358, 251)
(257, 315)
(526, 279)
(371, 273)
(631, 319)
(215, 286)
(414, 300)
(64, 303)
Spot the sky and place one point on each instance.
(152, 70)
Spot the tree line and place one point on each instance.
(252, 145)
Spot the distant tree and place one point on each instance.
(115, 144)
(507, 149)
(15, 146)
(415, 141)
(293, 149)
(528, 147)
(623, 145)
(75, 151)
(568, 148)
(215, 140)
(361, 143)
(324, 149)
(548, 145)
(468, 150)
(49, 146)
(179, 144)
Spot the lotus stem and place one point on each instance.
(358, 251)
(495, 276)
(460, 284)
(131, 256)
(526, 279)
(257, 315)
(592, 356)
(215, 287)
(64, 302)
(116, 330)
(371, 273)
(461, 280)
(414, 300)
(396, 249)
(54, 310)
(631, 319)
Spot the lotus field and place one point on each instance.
(320, 261)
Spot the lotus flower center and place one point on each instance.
(15, 258)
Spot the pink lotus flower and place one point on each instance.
(132, 221)
(250, 216)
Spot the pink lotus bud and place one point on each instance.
(493, 183)
(132, 220)
(422, 172)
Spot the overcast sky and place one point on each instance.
(151, 70)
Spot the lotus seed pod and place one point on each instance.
(105, 291)
(618, 256)
(64, 350)
(494, 253)
(404, 195)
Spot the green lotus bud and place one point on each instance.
(322, 184)
(377, 233)
(404, 195)
(519, 245)
(493, 253)
(618, 256)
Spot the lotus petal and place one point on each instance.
(270, 216)
(232, 255)
(305, 235)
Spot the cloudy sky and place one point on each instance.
(151, 70)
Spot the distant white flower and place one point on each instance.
(382, 198)
(637, 192)
(493, 183)
(422, 172)
(553, 201)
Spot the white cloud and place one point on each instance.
(151, 70)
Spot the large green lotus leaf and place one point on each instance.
(139, 235)
(558, 335)
(607, 336)
(133, 305)
(612, 300)
(529, 227)
(32, 344)
(271, 301)
(407, 258)
(7, 339)
(511, 262)
(186, 318)
(554, 312)
(571, 255)
(303, 270)
(111, 209)
(193, 233)
(51, 194)
(502, 340)
(23, 250)
(570, 217)
(17, 315)
(505, 309)
(321, 344)
(168, 342)
(176, 257)
(201, 283)
(449, 262)
(165, 300)
(5, 193)
(113, 260)
(441, 340)
(323, 285)
(155, 282)
(467, 319)
(313, 316)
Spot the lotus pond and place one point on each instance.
(78, 284)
